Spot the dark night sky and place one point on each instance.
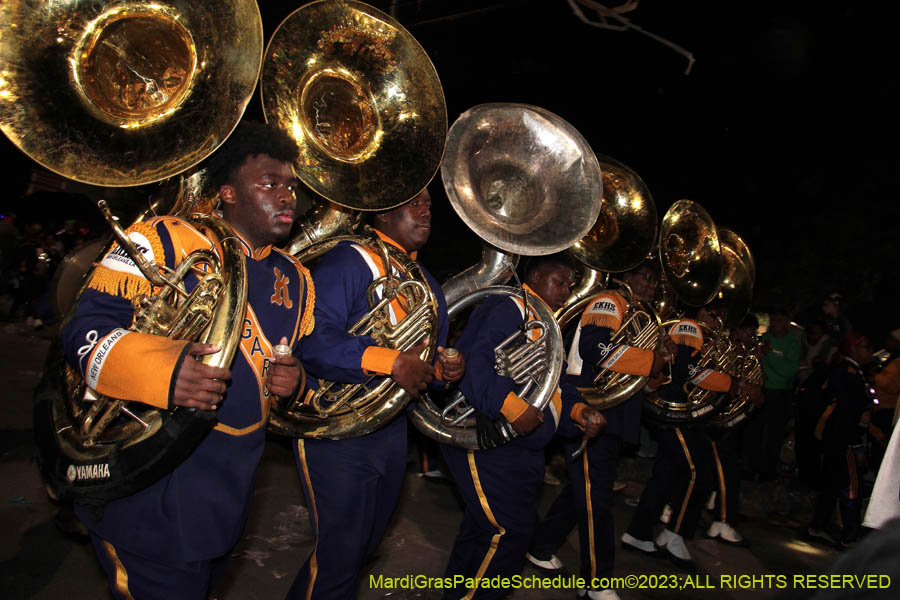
(784, 130)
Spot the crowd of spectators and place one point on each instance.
(30, 251)
(842, 398)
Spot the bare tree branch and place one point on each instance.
(605, 14)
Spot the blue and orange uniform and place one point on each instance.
(842, 431)
(351, 485)
(170, 539)
(499, 486)
(681, 473)
(587, 499)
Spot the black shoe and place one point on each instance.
(684, 564)
(821, 536)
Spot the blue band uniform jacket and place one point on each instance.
(351, 485)
(197, 511)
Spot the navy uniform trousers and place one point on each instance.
(500, 488)
(587, 500)
(681, 478)
(329, 469)
(727, 474)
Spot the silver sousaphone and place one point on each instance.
(526, 182)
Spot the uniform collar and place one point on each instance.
(528, 289)
(254, 253)
(386, 238)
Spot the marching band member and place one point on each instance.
(352, 485)
(588, 498)
(172, 539)
(841, 431)
(500, 484)
(682, 469)
(725, 448)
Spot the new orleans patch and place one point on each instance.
(118, 259)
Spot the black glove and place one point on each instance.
(488, 432)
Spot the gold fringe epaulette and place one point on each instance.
(308, 321)
(117, 283)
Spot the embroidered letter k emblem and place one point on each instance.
(281, 295)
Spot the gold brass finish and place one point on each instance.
(89, 427)
(362, 100)
(690, 253)
(521, 178)
(735, 293)
(717, 354)
(626, 227)
(744, 363)
(123, 93)
(322, 221)
(338, 411)
(728, 237)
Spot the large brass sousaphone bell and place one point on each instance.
(362, 100)
(690, 253)
(735, 293)
(526, 182)
(123, 93)
(620, 239)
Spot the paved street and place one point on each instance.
(38, 561)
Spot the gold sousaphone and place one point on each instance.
(123, 93)
(735, 295)
(690, 253)
(620, 239)
(526, 182)
(362, 100)
(693, 266)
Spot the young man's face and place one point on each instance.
(642, 282)
(408, 225)
(553, 285)
(260, 200)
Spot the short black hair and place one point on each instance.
(546, 263)
(250, 138)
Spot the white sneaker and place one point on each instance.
(664, 537)
(666, 515)
(603, 595)
(677, 547)
(553, 564)
(711, 503)
(646, 546)
(725, 532)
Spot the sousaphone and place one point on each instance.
(619, 240)
(123, 93)
(693, 268)
(363, 102)
(743, 360)
(526, 182)
(690, 253)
